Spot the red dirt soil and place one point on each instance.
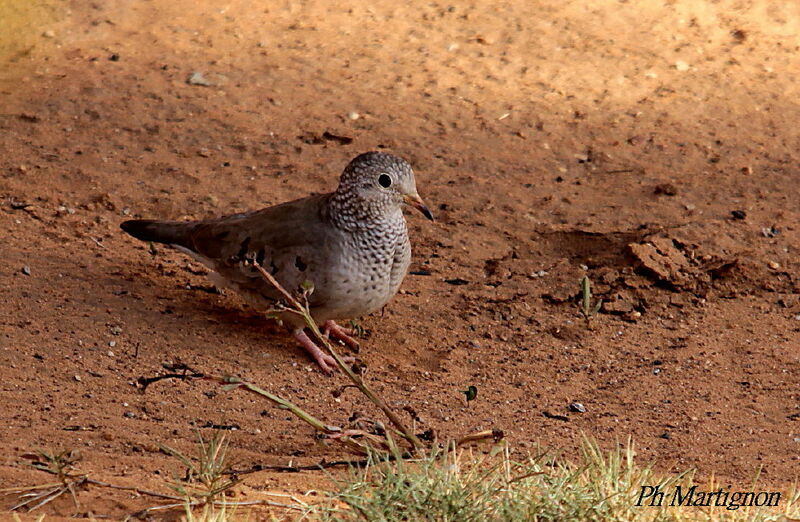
(652, 146)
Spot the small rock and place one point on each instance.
(747, 170)
(110, 353)
(49, 34)
(577, 407)
(129, 415)
(770, 232)
(773, 265)
(681, 65)
(739, 35)
(353, 115)
(197, 78)
(26, 270)
(112, 343)
(474, 344)
(77, 378)
(116, 330)
(668, 189)
(738, 214)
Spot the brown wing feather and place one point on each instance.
(275, 228)
(283, 239)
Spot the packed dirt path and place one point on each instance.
(651, 146)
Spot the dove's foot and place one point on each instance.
(325, 361)
(330, 328)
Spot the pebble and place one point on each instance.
(129, 415)
(773, 265)
(112, 343)
(353, 115)
(197, 78)
(110, 353)
(769, 232)
(77, 378)
(667, 189)
(577, 407)
(26, 270)
(681, 65)
(116, 330)
(49, 34)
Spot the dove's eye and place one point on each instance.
(385, 181)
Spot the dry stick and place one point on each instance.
(497, 435)
(259, 503)
(235, 382)
(145, 511)
(334, 432)
(312, 325)
(134, 489)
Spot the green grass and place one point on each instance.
(601, 486)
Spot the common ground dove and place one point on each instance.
(351, 244)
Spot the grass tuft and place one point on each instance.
(458, 486)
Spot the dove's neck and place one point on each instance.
(355, 214)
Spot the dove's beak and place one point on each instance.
(415, 201)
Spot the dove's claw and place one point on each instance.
(325, 361)
(330, 328)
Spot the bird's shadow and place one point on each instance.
(224, 314)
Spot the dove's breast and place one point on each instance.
(365, 274)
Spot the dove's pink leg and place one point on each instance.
(324, 360)
(341, 333)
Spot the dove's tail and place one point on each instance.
(170, 232)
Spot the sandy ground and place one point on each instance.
(652, 146)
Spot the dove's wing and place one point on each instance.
(288, 240)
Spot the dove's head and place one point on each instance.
(380, 183)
